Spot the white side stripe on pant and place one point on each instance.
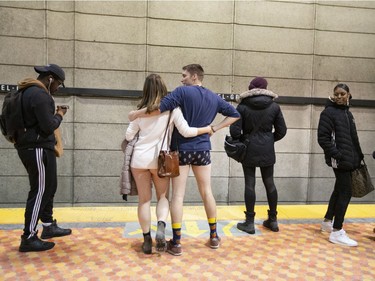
(41, 189)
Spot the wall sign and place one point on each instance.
(4, 88)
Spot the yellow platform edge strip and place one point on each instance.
(129, 214)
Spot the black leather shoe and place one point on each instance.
(54, 231)
(34, 244)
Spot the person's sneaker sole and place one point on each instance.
(170, 250)
(161, 244)
(274, 229)
(173, 253)
(52, 236)
(244, 229)
(47, 247)
(215, 244)
(342, 244)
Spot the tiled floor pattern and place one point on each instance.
(297, 252)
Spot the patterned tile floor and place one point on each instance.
(112, 251)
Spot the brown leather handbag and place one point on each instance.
(168, 161)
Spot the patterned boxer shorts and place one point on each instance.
(196, 158)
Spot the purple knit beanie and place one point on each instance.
(258, 82)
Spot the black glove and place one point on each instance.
(373, 155)
(125, 197)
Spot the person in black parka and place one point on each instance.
(337, 135)
(261, 124)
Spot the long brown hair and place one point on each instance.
(154, 89)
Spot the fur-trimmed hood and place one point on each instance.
(256, 92)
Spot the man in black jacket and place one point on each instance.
(36, 149)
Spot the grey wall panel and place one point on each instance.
(98, 163)
(341, 69)
(99, 189)
(10, 164)
(98, 136)
(205, 35)
(64, 193)
(357, 18)
(93, 55)
(14, 189)
(28, 22)
(209, 11)
(273, 65)
(18, 50)
(114, 8)
(98, 28)
(109, 79)
(60, 25)
(297, 14)
(267, 39)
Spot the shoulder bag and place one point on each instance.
(361, 181)
(168, 161)
(236, 148)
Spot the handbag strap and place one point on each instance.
(166, 130)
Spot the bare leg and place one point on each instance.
(143, 180)
(203, 176)
(162, 190)
(178, 193)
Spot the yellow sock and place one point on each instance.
(176, 229)
(212, 223)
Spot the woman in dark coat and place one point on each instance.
(262, 124)
(337, 135)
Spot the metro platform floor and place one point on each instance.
(106, 245)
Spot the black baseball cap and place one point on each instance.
(54, 69)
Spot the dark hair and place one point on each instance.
(195, 69)
(154, 89)
(342, 86)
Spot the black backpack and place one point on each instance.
(11, 118)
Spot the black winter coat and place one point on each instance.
(257, 108)
(337, 135)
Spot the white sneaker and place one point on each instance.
(340, 237)
(326, 226)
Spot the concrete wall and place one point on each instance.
(303, 48)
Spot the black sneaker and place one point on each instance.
(54, 231)
(34, 244)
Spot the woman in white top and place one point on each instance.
(145, 157)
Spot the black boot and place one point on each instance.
(54, 231)
(34, 244)
(271, 223)
(147, 243)
(248, 224)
